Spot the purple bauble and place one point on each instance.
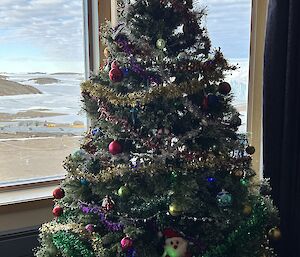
(90, 228)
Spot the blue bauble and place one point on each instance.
(211, 179)
(125, 72)
(212, 100)
(224, 199)
(95, 131)
(84, 182)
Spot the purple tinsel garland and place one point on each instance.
(135, 67)
(95, 209)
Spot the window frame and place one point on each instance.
(95, 13)
(255, 90)
(17, 199)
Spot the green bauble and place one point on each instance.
(224, 199)
(175, 209)
(123, 191)
(160, 43)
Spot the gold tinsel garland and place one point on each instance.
(51, 228)
(170, 91)
(110, 173)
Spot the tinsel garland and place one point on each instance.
(53, 227)
(144, 97)
(118, 226)
(253, 226)
(94, 209)
(190, 163)
(71, 245)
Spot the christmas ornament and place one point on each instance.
(107, 203)
(211, 179)
(57, 211)
(160, 43)
(238, 173)
(210, 101)
(182, 56)
(116, 75)
(244, 182)
(247, 209)
(115, 147)
(126, 243)
(90, 228)
(224, 199)
(106, 52)
(95, 131)
(84, 182)
(236, 121)
(123, 191)
(58, 193)
(125, 72)
(114, 65)
(250, 150)
(175, 209)
(175, 244)
(274, 234)
(224, 88)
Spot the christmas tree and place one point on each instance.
(163, 170)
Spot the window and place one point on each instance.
(228, 24)
(41, 68)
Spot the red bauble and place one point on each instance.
(126, 243)
(224, 88)
(116, 75)
(57, 211)
(114, 65)
(115, 147)
(58, 193)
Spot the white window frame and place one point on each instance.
(30, 203)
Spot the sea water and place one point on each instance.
(64, 98)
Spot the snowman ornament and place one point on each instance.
(175, 244)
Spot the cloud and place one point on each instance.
(52, 27)
(228, 23)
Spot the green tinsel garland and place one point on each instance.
(71, 245)
(246, 232)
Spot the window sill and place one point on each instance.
(28, 191)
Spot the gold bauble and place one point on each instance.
(106, 52)
(238, 173)
(175, 209)
(274, 234)
(247, 209)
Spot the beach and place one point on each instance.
(40, 128)
(8, 87)
(40, 123)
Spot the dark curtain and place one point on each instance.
(282, 118)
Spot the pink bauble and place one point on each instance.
(90, 228)
(115, 147)
(126, 243)
(116, 75)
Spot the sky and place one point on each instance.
(46, 35)
(41, 35)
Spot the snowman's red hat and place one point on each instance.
(169, 233)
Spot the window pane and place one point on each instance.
(41, 68)
(228, 23)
